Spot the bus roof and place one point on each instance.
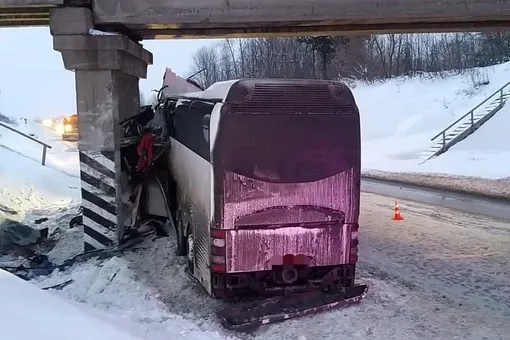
(218, 91)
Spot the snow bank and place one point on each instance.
(497, 188)
(400, 116)
(29, 313)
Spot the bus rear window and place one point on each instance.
(287, 148)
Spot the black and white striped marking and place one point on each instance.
(97, 172)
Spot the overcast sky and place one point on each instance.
(33, 81)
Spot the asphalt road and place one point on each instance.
(475, 204)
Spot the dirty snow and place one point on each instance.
(400, 116)
(457, 257)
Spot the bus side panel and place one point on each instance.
(193, 176)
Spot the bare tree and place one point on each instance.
(206, 58)
(369, 58)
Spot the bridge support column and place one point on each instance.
(107, 69)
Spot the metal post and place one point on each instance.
(501, 96)
(472, 119)
(44, 155)
(444, 140)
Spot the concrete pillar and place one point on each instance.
(107, 68)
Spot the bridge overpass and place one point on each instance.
(221, 18)
(108, 66)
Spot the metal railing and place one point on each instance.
(471, 113)
(44, 145)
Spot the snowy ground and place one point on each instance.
(400, 116)
(54, 317)
(460, 256)
(438, 274)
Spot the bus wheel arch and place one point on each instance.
(181, 232)
(190, 245)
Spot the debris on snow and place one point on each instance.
(111, 288)
(14, 233)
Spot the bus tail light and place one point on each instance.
(218, 259)
(353, 253)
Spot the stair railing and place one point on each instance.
(471, 113)
(44, 145)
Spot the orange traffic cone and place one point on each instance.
(396, 213)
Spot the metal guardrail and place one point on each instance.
(44, 145)
(471, 113)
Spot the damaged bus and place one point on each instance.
(265, 196)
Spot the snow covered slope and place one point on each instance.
(400, 116)
(24, 183)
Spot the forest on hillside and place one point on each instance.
(366, 58)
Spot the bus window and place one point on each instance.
(189, 120)
(289, 148)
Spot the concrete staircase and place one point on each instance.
(467, 124)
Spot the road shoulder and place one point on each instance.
(485, 187)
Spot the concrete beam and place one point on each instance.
(80, 50)
(15, 13)
(332, 30)
(71, 21)
(244, 18)
(31, 3)
(104, 52)
(215, 18)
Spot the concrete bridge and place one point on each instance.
(150, 19)
(107, 66)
